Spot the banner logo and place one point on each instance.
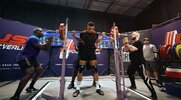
(12, 42)
(70, 48)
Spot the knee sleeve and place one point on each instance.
(94, 69)
(81, 68)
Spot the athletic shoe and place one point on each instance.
(100, 92)
(132, 87)
(14, 98)
(71, 86)
(31, 89)
(159, 84)
(154, 96)
(162, 89)
(76, 93)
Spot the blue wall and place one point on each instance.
(10, 47)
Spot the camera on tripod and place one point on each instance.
(57, 42)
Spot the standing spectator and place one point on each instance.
(150, 55)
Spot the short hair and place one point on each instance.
(36, 30)
(137, 34)
(90, 24)
(146, 39)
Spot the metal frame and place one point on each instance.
(121, 94)
(62, 80)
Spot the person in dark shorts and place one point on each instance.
(29, 63)
(150, 55)
(75, 72)
(87, 40)
(137, 62)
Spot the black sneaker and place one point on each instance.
(100, 92)
(76, 93)
(71, 86)
(132, 87)
(154, 96)
(162, 89)
(14, 98)
(31, 89)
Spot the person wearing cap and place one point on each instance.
(137, 62)
(150, 55)
(27, 60)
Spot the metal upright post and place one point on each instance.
(62, 80)
(116, 59)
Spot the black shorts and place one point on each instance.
(28, 63)
(87, 55)
(76, 64)
(151, 64)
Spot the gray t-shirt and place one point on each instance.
(148, 52)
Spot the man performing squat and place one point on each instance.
(76, 69)
(87, 54)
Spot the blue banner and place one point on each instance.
(13, 37)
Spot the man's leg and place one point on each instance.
(147, 81)
(147, 69)
(89, 68)
(74, 74)
(28, 73)
(131, 71)
(155, 72)
(79, 77)
(38, 71)
(96, 76)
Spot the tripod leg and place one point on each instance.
(108, 68)
(44, 71)
(53, 71)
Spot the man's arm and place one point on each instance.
(130, 48)
(127, 47)
(101, 37)
(155, 51)
(44, 46)
(76, 37)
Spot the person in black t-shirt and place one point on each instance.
(87, 40)
(137, 62)
(76, 69)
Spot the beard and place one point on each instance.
(134, 38)
(40, 35)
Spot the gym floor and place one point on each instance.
(87, 91)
